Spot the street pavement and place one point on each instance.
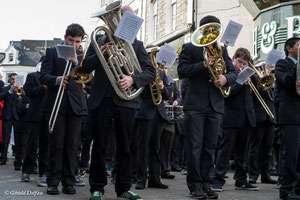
(12, 188)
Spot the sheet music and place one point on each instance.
(128, 27)
(19, 80)
(166, 55)
(244, 75)
(273, 56)
(231, 33)
(66, 52)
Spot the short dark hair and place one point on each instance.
(13, 74)
(290, 43)
(242, 53)
(75, 30)
(209, 19)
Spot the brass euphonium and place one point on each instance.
(154, 89)
(207, 36)
(121, 56)
(75, 74)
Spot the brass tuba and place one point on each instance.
(75, 74)
(207, 36)
(154, 89)
(121, 56)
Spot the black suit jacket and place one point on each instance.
(35, 91)
(260, 113)
(52, 67)
(289, 100)
(201, 92)
(11, 103)
(239, 107)
(147, 108)
(101, 85)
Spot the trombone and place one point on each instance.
(263, 82)
(59, 96)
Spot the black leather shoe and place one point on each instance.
(268, 181)
(140, 186)
(210, 193)
(167, 175)
(157, 185)
(176, 169)
(252, 181)
(69, 189)
(199, 194)
(52, 190)
(2, 162)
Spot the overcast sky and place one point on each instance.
(43, 19)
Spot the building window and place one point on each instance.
(155, 20)
(173, 10)
(11, 57)
(276, 14)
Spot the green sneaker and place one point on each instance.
(96, 195)
(130, 195)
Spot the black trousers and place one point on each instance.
(201, 130)
(6, 132)
(166, 144)
(37, 139)
(260, 150)
(290, 159)
(123, 120)
(233, 139)
(87, 137)
(63, 143)
(149, 136)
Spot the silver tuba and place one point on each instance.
(121, 58)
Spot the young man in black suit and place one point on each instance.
(204, 106)
(238, 123)
(9, 114)
(64, 139)
(261, 140)
(289, 120)
(37, 129)
(105, 105)
(149, 123)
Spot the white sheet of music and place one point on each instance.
(66, 52)
(273, 56)
(244, 75)
(128, 27)
(231, 33)
(19, 80)
(166, 55)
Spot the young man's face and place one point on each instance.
(164, 68)
(73, 41)
(12, 80)
(239, 63)
(293, 51)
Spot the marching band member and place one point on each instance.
(261, 141)
(64, 139)
(106, 105)
(238, 122)
(204, 106)
(289, 120)
(149, 127)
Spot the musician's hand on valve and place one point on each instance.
(161, 85)
(125, 82)
(221, 81)
(175, 103)
(65, 80)
(210, 61)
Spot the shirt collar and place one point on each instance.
(293, 59)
